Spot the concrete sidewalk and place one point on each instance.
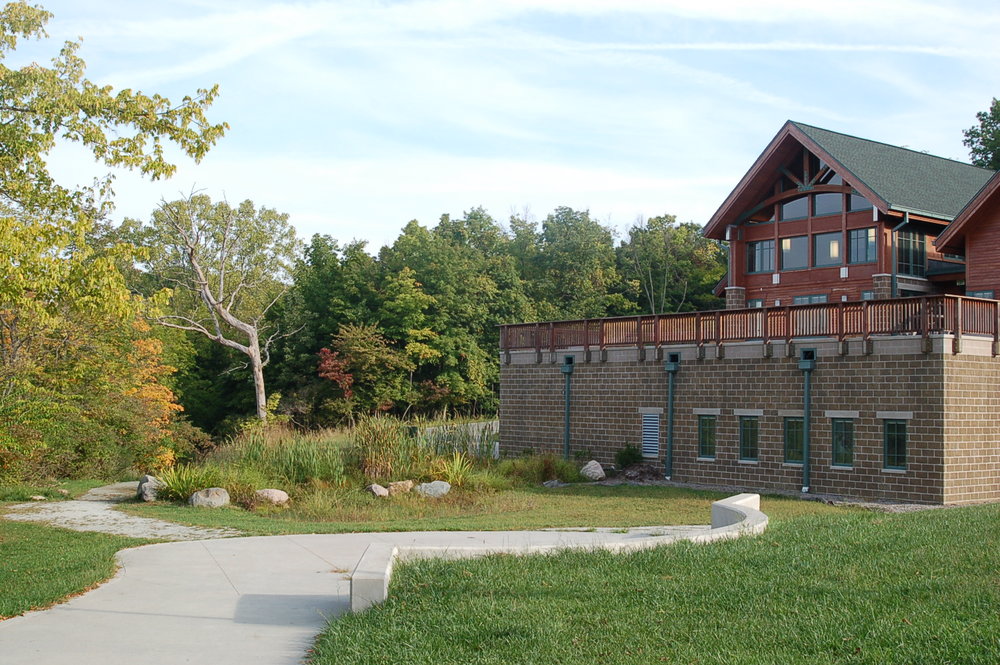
(237, 600)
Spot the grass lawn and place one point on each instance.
(41, 565)
(341, 511)
(850, 587)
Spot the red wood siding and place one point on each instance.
(982, 254)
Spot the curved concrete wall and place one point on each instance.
(732, 517)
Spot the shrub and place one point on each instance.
(454, 469)
(535, 469)
(183, 480)
(628, 456)
(384, 447)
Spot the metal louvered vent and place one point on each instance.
(651, 435)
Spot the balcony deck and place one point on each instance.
(924, 316)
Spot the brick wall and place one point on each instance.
(947, 402)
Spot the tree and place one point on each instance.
(674, 265)
(227, 267)
(983, 141)
(39, 105)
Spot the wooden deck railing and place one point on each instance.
(923, 316)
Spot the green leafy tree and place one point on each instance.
(983, 140)
(674, 266)
(227, 267)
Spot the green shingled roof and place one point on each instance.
(907, 180)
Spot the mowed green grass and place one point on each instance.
(341, 511)
(41, 565)
(853, 587)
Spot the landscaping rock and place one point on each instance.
(64, 492)
(272, 496)
(377, 490)
(554, 483)
(148, 487)
(434, 490)
(592, 470)
(37, 497)
(213, 497)
(400, 487)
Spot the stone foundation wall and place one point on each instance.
(947, 401)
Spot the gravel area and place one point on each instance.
(95, 511)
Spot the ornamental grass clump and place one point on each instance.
(384, 447)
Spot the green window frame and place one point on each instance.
(749, 435)
(706, 437)
(760, 256)
(827, 249)
(795, 253)
(894, 444)
(842, 444)
(794, 438)
(861, 245)
(911, 253)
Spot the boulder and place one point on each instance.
(213, 497)
(148, 487)
(272, 496)
(400, 487)
(434, 490)
(377, 490)
(38, 497)
(592, 470)
(62, 491)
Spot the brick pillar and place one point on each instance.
(882, 285)
(736, 297)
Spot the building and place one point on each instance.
(824, 374)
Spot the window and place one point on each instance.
(810, 299)
(858, 202)
(706, 437)
(894, 436)
(826, 249)
(760, 256)
(868, 295)
(650, 435)
(794, 437)
(795, 209)
(755, 303)
(979, 294)
(911, 253)
(748, 438)
(843, 441)
(861, 245)
(828, 203)
(795, 253)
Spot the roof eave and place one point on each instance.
(954, 235)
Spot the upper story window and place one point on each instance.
(795, 209)
(858, 202)
(861, 245)
(760, 256)
(911, 253)
(828, 203)
(826, 249)
(795, 253)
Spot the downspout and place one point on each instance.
(807, 363)
(895, 258)
(671, 365)
(567, 370)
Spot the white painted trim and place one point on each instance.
(894, 415)
(748, 412)
(706, 412)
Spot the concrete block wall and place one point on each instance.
(946, 400)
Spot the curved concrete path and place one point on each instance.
(235, 601)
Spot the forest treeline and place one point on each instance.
(127, 344)
(414, 329)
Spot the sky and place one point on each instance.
(357, 116)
